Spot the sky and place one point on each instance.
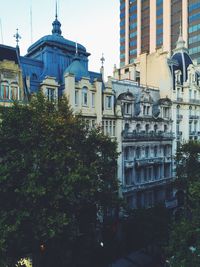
(92, 23)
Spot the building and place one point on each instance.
(137, 117)
(144, 135)
(150, 24)
(11, 83)
(178, 78)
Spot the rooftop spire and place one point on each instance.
(102, 59)
(17, 37)
(56, 24)
(56, 10)
(180, 43)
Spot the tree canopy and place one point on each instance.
(54, 174)
(184, 240)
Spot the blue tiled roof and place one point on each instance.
(56, 40)
(183, 60)
(77, 68)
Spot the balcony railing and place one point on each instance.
(147, 185)
(193, 117)
(193, 133)
(194, 101)
(148, 161)
(148, 135)
(129, 164)
(179, 99)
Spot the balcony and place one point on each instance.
(193, 117)
(193, 133)
(147, 136)
(194, 101)
(129, 164)
(179, 135)
(148, 161)
(168, 159)
(179, 99)
(146, 185)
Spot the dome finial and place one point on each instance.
(180, 43)
(56, 24)
(56, 11)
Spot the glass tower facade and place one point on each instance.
(146, 25)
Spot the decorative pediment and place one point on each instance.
(146, 97)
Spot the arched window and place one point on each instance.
(85, 96)
(4, 91)
(126, 127)
(138, 127)
(155, 150)
(147, 128)
(14, 92)
(146, 151)
(155, 128)
(138, 152)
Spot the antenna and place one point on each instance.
(31, 23)
(56, 10)
(1, 31)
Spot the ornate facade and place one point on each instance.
(144, 132)
(11, 85)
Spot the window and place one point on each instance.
(50, 94)
(14, 92)
(93, 100)
(166, 112)
(138, 127)
(128, 176)
(138, 152)
(76, 98)
(108, 102)
(84, 96)
(4, 94)
(155, 128)
(113, 128)
(155, 151)
(146, 152)
(147, 128)
(138, 176)
(127, 107)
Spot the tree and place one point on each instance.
(184, 241)
(54, 173)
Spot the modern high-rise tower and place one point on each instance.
(146, 25)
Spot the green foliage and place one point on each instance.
(53, 171)
(184, 241)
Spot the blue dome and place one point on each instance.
(77, 69)
(58, 41)
(183, 61)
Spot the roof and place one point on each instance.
(77, 68)
(9, 53)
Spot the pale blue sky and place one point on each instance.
(92, 23)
